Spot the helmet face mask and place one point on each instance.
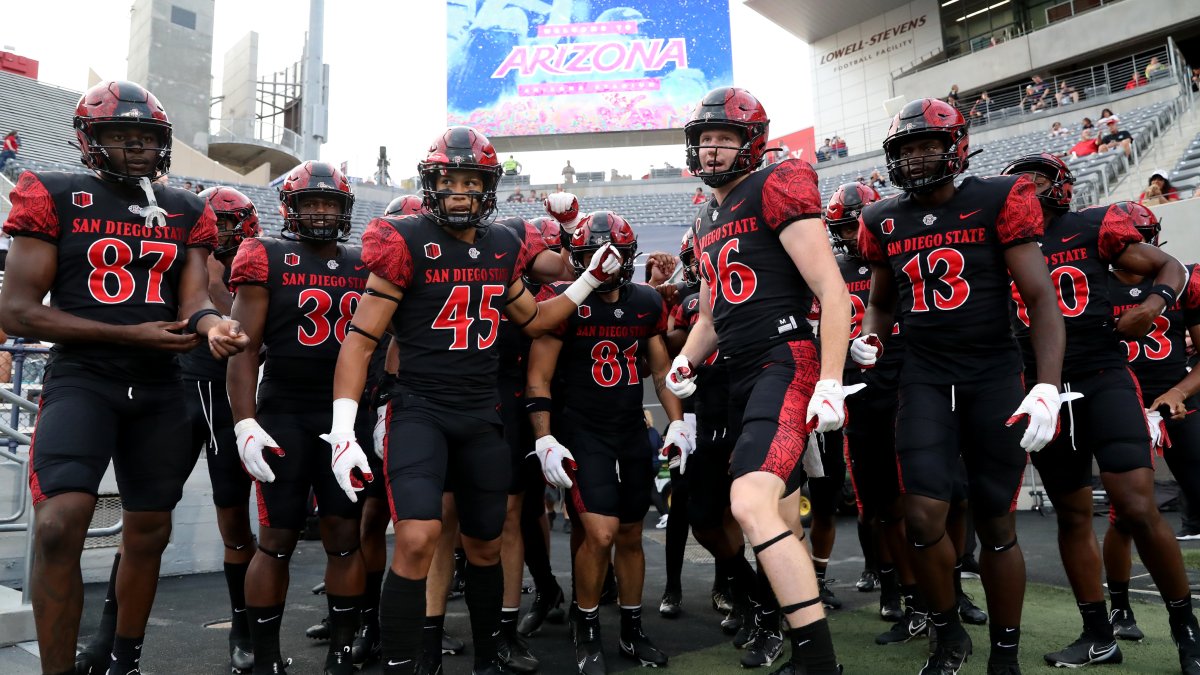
(597, 229)
(1056, 187)
(842, 212)
(315, 182)
(726, 108)
(237, 219)
(115, 117)
(915, 163)
(460, 158)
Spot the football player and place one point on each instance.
(1109, 423)
(596, 354)
(1159, 361)
(295, 296)
(941, 256)
(442, 279)
(123, 258)
(763, 255)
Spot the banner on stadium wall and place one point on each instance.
(796, 145)
(519, 68)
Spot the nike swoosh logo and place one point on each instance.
(964, 216)
(342, 609)
(642, 316)
(500, 255)
(1004, 646)
(270, 619)
(398, 663)
(1066, 239)
(359, 268)
(174, 215)
(1093, 654)
(735, 206)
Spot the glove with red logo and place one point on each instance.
(348, 455)
(1158, 431)
(557, 461)
(563, 207)
(681, 379)
(678, 445)
(866, 350)
(606, 261)
(1040, 407)
(379, 433)
(827, 406)
(251, 441)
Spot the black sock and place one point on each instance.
(948, 626)
(1095, 620)
(631, 621)
(537, 558)
(887, 581)
(1179, 613)
(958, 591)
(912, 598)
(764, 595)
(264, 633)
(812, 647)
(1006, 641)
(508, 620)
(431, 635)
(1118, 592)
(740, 576)
(235, 579)
(344, 611)
(126, 653)
(587, 623)
(401, 614)
(677, 534)
(460, 560)
(369, 606)
(484, 595)
(102, 641)
(820, 567)
(869, 546)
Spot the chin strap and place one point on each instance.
(154, 214)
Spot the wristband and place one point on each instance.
(581, 288)
(1165, 292)
(538, 404)
(345, 410)
(194, 322)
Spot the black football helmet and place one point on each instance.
(460, 148)
(237, 219)
(687, 259)
(917, 119)
(842, 212)
(728, 107)
(597, 229)
(1145, 220)
(405, 205)
(315, 178)
(120, 102)
(1062, 182)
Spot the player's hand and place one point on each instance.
(678, 444)
(379, 433)
(606, 261)
(865, 350)
(563, 207)
(669, 293)
(1040, 407)
(661, 266)
(1136, 322)
(347, 456)
(1173, 401)
(681, 379)
(251, 440)
(1158, 431)
(557, 461)
(225, 338)
(163, 335)
(827, 406)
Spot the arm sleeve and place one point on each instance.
(33, 212)
(386, 254)
(531, 245)
(868, 245)
(1020, 218)
(789, 194)
(250, 265)
(1117, 232)
(204, 232)
(1190, 298)
(663, 315)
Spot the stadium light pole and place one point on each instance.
(315, 116)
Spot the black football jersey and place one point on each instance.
(602, 343)
(1079, 247)
(448, 323)
(952, 282)
(311, 303)
(513, 343)
(711, 400)
(756, 293)
(199, 364)
(856, 272)
(1159, 360)
(112, 267)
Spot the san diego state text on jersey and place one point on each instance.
(454, 294)
(1159, 360)
(112, 267)
(1079, 247)
(951, 278)
(756, 293)
(311, 302)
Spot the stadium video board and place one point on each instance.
(533, 67)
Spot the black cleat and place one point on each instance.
(1187, 640)
(732, 623)
(827, 597)
(889, 607)
(92, 660)
(720, 602)
(1125, 625)
(546, 607)
(671, 605)
(765, 646)
(1003, 669)
(457, 587)
(637, 647)
(514, 653)
(1085, 651)
(319, 589)
(279, 667)
(868, 582)
(970, 567)
(496, 667)
(428, 664)
(912, 625)
(948, 658)
(451, 645)
(241, 656)
(318, 631)
(589, 653)
(790, 668)
(339, 662)
(367, 645)
(969, 612)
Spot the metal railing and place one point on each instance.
(233, 130)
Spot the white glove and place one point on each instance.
(379, 433)
(347, 456)
(251, 439)
(563, 207)
(606, 261)
(1041, 406)
(866, 350)
(680, 438)
(681, 379)
(827, 407)
(1158, 431)
(554, 456)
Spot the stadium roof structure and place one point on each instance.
(811, 20)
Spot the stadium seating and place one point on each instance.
(40, 113)
(1185, 177)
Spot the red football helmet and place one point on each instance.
(687, 258)
(842, 212)
(1144, 220)
(551, 232)
(460, 148)
(919, 118)
(597, 229)
(405, 205)
(1062, 182)
(728, 107)
(237, 219)
(120, 102)
(315, 179)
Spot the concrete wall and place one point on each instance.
(239, 79)
(1181, 229)
(187, 161)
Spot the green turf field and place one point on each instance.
(1050, 623)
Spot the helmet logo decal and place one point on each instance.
(291, 259)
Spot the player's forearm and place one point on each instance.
(550, 313)
(350, 375)
(701, 341)
(1173, 274)
(876, 319)
(241, 381)
(540, 421)
(1048, 334)
(1190, 384)
(220, 297)
(675, 340)
(35, 321)
(670, 403)
(835, 334)
(537, 386)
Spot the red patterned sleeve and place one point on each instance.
(386, 253)
(1020, 217)
(789, 194)
(33, 212)
(663, 315)
(204, 232)
(251, 266)
(868, 245)
(1189, 299)
(531, 245)
(1117, 232)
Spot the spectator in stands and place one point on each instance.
(1136, 80)
(1067, 94)
(1041, 88)
(1155, 66)
(981, 109)
(877, 181)
(568, 173)
(1057, 130)
(511, 166)
(199, 188)
(187, 185)
(12, 144)
(1104, 115)
(952, 97)
(825, 151)
(699, 197)
(839, 146)
(1087, 140)
(1116, 138)
(517, 197)
(1031, 102)
(1195, 79)
(1158, 190)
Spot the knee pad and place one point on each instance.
(772, 541)
(275, 554)
(918, 545)
(1003, 547)
(342, 554)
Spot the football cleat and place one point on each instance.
(720, 601)
(867, 582)
(546, 607)
(495, 667)
(765, 646)
(1125, 625)
(241, 656)
(969, 612)
(339, 662)
(428, 664)
(637, 647)
(318, 631)
(515, 654)
(948, 658)
(367, 644)
(889, 606)
(1003, 669)
(827, 597)
(451, 645)
(912, 625)
(1085, 651)
(671, 605)
(790, 668)
(1187, 640)
(589, 653)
